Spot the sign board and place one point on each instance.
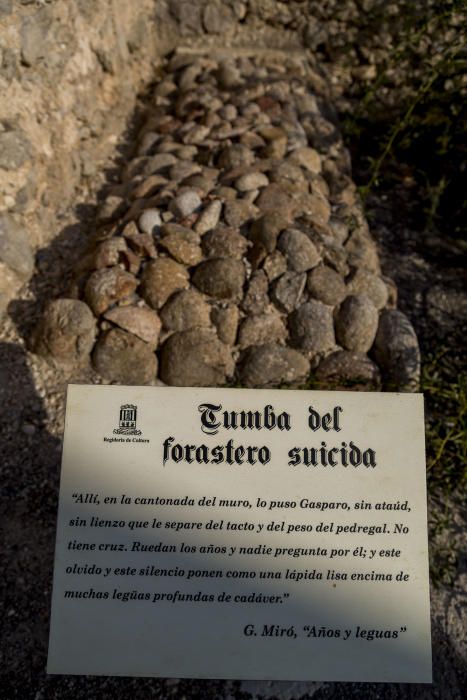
(241, 534)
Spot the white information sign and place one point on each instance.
(241, 534)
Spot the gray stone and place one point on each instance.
(366, 282)
(235, 156)
(274, 265)
(300, 252)
(397, 352)
(290, 174)
(195, 358)
(160, 279)
(15, 149)
(308, 158)
(225, 320)
(184, 310)
(349, 370)
(272, 364)
(107, 286)
(203, 185)
(150, 221)
(188, 153)
(313, 206)
(287, 290)
(15, 251)
(209, 217)
(159, 163)
(256, 297)
(356, 323)
(311, 328)
(220, 278)
(142, 322)
(224, 242)
(183, 246)
(251, 181)
(265, 231)
(184, 169)
(66, 332)
(123, 358)
(197, 134)
(263, 328)
(275, 198)
(326, 285)
(185, 204)
(238, 212)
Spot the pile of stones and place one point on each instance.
(235, 248)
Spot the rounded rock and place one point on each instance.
(300, 252)
(183, 246)
(356, 323)
(195, 358)
(349, 370)
(308, 158)
(266, 230)
(108, 253)
(160, 279)
(272, 364)
(235, 156)
(256, 297)
(326, 285)
(251, 181)
(107, 286)
(123, 358)
(150, 221)
(142, 322)
(260, 329)
(209, 218)
(185, 204)
(396, 351)
(65, 334)
(311, 327)
(366, 282)
(287, 290)
(220, 278)
(184, 310)
(238, 212)
(224, 242)
(226, 322)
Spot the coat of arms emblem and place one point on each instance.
(127, 420)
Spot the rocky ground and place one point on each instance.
(207, 202)
(234, 248)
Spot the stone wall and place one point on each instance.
(70, 71)
(69, 74)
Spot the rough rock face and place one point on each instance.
(67, 332)
(123, 357)
(236, 247)
(16, 260)
(69, 73)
